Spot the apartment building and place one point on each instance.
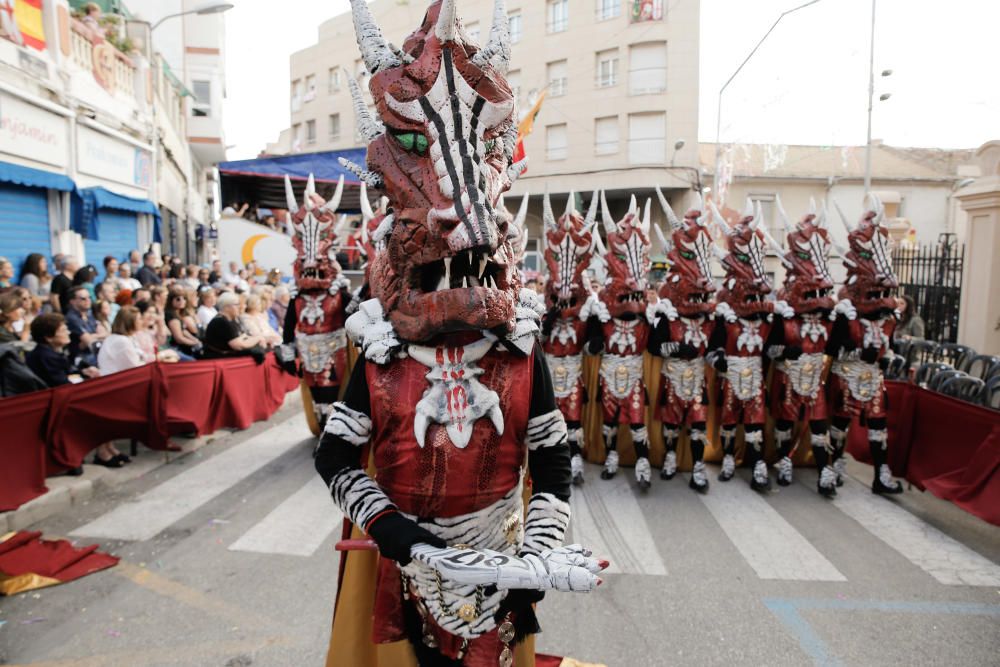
(620, 77)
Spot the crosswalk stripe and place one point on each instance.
(928, 548)
(769, 544)
(296, 527)
(607, 520)
(171, 501)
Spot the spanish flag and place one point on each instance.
(28, 15)
(526, 125)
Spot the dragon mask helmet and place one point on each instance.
(441, 149)
(871, 281)
(569, 245)
(313, 236)
(627, 256)
(688, 284)
(372, 229)
(808, 286)
(745, 286)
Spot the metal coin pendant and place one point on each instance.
(506, 657)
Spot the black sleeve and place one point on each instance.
(840, 334)
(658, 336)
(549, 321)
(776, 337)
(548, 466)
(334, 453)
(288, 330)
(595, 336)
(717, 340)
(345, 300)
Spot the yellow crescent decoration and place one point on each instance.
(247, 252)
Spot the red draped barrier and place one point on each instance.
(946, 446)
(47, 432)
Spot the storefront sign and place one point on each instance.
(111, 159)
(31, 132)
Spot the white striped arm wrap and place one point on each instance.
(546, 523)
(547, 430)
(349, 425)
(358, 496)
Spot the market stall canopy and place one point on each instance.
(262, 181)
(35, 178)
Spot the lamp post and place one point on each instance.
(210, 8)
(679, 144)
(718, 112)
(871, 95)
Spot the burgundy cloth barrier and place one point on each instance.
(22, 449)
(899, 426)
(47, 432)
(975, 487)
(128, 404)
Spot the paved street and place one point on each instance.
(227, 559)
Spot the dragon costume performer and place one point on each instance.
(617, 325)
(682, 324)
(314, 323)
(859, 343)
(743, 324)
(451, 396)
(569, 246)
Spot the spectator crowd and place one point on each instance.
(63, 323)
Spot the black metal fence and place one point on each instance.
(932, 275)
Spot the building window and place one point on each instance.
(558, 13)
(606, 135)
(202, 105)
(514, 25)
(514, 81)
(472, 30)
(296, 95)
(310, 93)
(647, 68)
(297, 137)
(557, 78)
(646, 10)
(333, 80)
(556, 147)
(608, 9)
(647, 138)
(310, 131)
(607, 68)
(334, 132)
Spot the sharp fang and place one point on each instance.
(470, 259)
(447, 271)
(482, 266)
(465, 281)
(473, 281)
(443, 284)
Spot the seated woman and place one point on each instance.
(256, 323)
(224, 336)
(50, 360)
(176, 317)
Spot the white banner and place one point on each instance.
(27, 131)
(242, 241)
(108, 158)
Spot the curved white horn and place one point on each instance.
(591, 217)
(609, 222)
(522, 212)
(747, 208)
(548, 219)
(812, 206)
(633, 207)
(374, 50)
(843, 218)
(446, 28)
(290, 202)
(664, 241)
(675, 224)
(786, 222)
(646, 219)
(719, 220)
(369, 128)
(570, 204)
(824, 215)
(498, 48)
(366, 207)
(334, 202)
(873, 203)
(308, 192)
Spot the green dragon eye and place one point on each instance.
(621, 257)
(488, 146)
(687, 255)
(743, 258)
(413, 142)
(864, 254)
(803, 255)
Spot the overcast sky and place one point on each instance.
(807, 84)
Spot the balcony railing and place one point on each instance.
(111, 68)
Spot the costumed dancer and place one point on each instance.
(569, 246)
(742, 325)
(798, 344)
(682, 323)
(859, 343)
(617, 326)
(452, 394)
(371, 221)
(314, 324)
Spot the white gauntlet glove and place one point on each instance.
(370, 329)
(782, 308)
(662, 308)
(568, 568)
(726, 311)
(846, 308)
(341, 282)
(594, 307)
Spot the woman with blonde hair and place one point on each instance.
(255, 321)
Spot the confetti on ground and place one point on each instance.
(32, 620)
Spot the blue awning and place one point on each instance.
(323, 166)
(88, 202)
(35, 178)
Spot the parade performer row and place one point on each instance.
(739, 331)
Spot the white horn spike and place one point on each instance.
(633, 207)
(646, 219)
(758, 216)
(366, 207)
(374, 50)
(609, 222)
(812, 206)
(368, 128)
(664, 241)
(786, 222)
(570, 204)
(307, 194)
(747, 208)
(873, 203)
(446, 28)
(591, 218)
(497, 50)
(290, 202)
(522, 212)
(548, 219)
(843, 218)
(372, 179)
(824, 216)
(334, 202)
(515, 170)
(675, 224)
(719, 220)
